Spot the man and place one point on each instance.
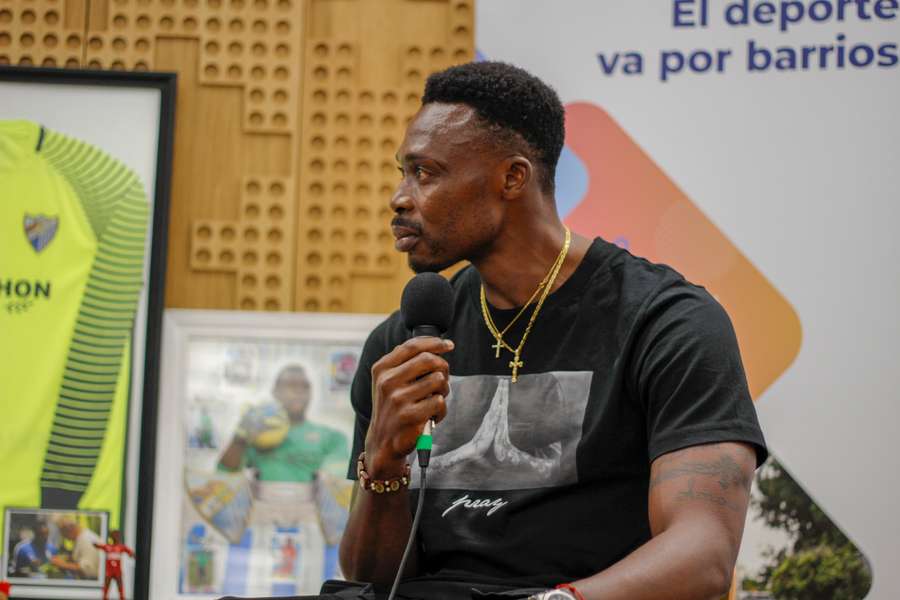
(294, 460)
(595, 428)
(304, 450)
(31, 554)
(84, 562)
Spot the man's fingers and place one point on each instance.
(434, 406)
(409, 387)
(439, 404)
(416, 391)
(419, 368)
(410, 348)
(422, 364)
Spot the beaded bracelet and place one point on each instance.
(379, 486)
(570, 588)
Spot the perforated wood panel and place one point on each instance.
(254, 46)
(46, 33)
(289, 115)
(254, 245)
(355, 108)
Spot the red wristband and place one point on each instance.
(570, 588)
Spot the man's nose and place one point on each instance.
(400, 201)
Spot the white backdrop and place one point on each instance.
(800, 170)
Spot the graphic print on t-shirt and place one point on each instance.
(499, 435)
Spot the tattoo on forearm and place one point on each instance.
(690, 494)
(725, 468)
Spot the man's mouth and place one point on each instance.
(406, 237)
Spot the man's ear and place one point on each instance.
(518, 173)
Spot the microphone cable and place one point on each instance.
(423, 450)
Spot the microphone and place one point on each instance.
(426, 307)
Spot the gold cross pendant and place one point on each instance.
(497, 348)
(515, 364)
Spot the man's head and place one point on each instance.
(41, 529)
(487, 138)
(68, 527)
(292, 389)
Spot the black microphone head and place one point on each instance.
(427, 304)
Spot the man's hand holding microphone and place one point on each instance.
(410, 385)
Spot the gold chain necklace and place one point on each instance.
(545, 286)
(493, 326)
(498, 336)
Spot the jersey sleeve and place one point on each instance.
(116, 207)
(688, 375)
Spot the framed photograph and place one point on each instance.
(44, 547)
(85, 169)
(255, 430)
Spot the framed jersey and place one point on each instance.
(255, 430)
(85, 164)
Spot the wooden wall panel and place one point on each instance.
(46, 33)
(366, 64)
(289, 114)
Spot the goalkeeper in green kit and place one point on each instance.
(298, 472)
(277, 440)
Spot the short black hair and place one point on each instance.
(507, 98)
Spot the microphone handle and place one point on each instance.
(426, 331)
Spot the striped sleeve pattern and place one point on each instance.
(113, 200)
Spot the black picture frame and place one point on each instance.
(166, 84)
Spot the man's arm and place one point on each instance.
(233, 457)
(66, 565)
(697, 504)
(29, 555)
(409, 385)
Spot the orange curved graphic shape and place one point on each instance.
(631, 201)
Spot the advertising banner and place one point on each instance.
(753, 146)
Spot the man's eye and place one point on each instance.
(418, 172)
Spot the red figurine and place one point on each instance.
(4, 590)
(114, 563)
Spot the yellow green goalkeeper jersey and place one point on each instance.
(73, 225)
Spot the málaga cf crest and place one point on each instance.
(40, 230)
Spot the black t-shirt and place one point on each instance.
(546, 480)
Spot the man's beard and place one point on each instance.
(439, 259)
(419, 266)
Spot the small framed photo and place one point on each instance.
(47, 547)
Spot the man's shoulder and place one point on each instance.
(89, 536)
(634, 291)
(387, 334)
(640, 281)
(23, 547)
